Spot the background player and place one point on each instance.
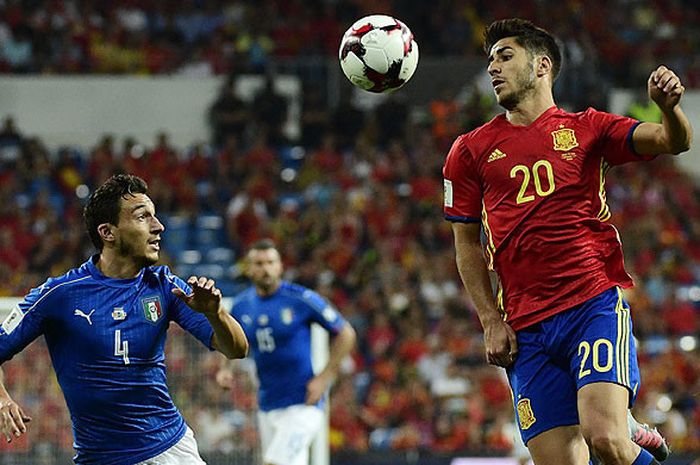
(276, 316)
(105, 326)
(534, 178)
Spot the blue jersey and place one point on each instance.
(106, 338)
(278, 328)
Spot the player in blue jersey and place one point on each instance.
(105, 326)
(276, 316)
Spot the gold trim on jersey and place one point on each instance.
(604, 213)
(490, 249)
(564, 139)
(500, 302)
(622, 343)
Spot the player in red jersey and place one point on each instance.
(533, 178)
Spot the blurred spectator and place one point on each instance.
(270, 111)
(228, 115)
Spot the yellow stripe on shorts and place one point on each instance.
(622, 343)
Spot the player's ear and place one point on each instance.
(544, 66)
(245, 267)
(106, 232)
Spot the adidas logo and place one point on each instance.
(495, 155)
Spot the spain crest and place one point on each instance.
(526, 416)
(564, 139)
(152, 309)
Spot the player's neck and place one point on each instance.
(113, 266)
(529, 109)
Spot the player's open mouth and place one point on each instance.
(155, 244)
(496, 83)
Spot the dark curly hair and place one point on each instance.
(532, 38)
(104, 204)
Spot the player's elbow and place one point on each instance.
(680, 143)
(681, 146)
(241, 350)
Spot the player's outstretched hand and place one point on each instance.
(13, 419)
(205, 297)
(501, 344)
(665, 88)
(224, 378)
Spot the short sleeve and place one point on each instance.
(193, 322)
(322, 312)
(25, 322)
(615, 137)
(462, 187)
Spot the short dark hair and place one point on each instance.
(534, 39)
(263, 244)
(104, 204)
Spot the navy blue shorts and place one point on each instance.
(591, 342)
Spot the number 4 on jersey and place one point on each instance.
(121, 348)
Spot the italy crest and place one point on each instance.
(152, 309)
(564, 139)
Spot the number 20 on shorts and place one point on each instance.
(592, 358)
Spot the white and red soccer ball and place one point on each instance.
(378, 53)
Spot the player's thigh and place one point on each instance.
(563, 445)
(185, 452)
(544, 395)
(603, 411)
(602, 345)
(295, 429)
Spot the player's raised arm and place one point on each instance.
(674, 135)
(229, 338)
(499, 338)
(12, 418)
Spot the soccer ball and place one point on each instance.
(378, 53)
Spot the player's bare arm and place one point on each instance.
(13, 420)
(341, 346)
(674, 135)
(499, 338)
(229, 338)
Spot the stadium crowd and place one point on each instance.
(356, 209)
(206, 37)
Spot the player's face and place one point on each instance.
(137, 235)
(512, 72)
(265, 269)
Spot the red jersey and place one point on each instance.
(538, 191)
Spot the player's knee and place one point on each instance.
(609, 448)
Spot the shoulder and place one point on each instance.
(57, 286)
(164, 275)
(472, 141)
(600, 122)
(298, 291)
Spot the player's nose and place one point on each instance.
(158, 226)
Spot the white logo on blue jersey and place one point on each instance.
(78, 312)
(118, 314)
(329, 314)
(13, 320)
